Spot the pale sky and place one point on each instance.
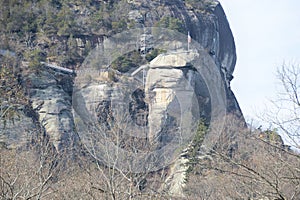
(267, 33)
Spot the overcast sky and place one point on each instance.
(267, 34)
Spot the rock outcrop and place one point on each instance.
(50, 94)
(164, 101)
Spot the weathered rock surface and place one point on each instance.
(18, 133)
(171, 95)
(51, 96)
(174, 96)
(208, 26)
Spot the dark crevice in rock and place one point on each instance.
(138, 108)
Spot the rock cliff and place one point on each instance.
(51, 98)
(158, 91)
(208, 27)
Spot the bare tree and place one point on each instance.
(251, 163)
(29, 172)
(118, 171)
(284, 114)
(246, 164)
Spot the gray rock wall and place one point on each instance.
(167, 104)
(175, 94)
(50, 94)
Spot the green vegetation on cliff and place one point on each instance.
(12, 97)
(66, 30)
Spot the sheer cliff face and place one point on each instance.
(207, 24)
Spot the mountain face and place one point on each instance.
(163, 80)
(73, 29)
(143, 73)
